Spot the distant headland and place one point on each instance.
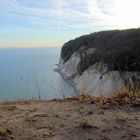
(103, 62)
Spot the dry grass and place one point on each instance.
(6, 102)
(127, 96)
(84, 97)
(2, 132)
(123, 97)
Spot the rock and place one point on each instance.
(86, 125)
(9, 131)
(48, 134)
(104, 62)
(90, 112)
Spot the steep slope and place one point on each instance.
(102, 62)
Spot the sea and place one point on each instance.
(28, 73)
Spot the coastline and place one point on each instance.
(65, 78)
(79, 118)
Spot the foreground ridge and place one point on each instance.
(71, 119)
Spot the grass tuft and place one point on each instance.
(2, 132)
(123, 97)
(84, 97)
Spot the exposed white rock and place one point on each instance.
(70, 67)
(95, 80)
(92, 83)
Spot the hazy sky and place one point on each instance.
(42, 23)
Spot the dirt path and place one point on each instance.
(67, 120)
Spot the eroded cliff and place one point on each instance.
(102, 62)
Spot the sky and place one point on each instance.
(50, 23)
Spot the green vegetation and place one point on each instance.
(118, 49)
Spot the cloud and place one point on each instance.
(59, 11)
(61, 20)
(70, 14)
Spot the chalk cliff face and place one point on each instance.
(102, 62)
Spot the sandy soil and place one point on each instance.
(67, 120)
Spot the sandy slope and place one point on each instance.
(67, 120)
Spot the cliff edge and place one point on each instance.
(103, 62)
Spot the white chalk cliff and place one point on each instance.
(102, 63)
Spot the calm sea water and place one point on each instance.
(29, 73)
